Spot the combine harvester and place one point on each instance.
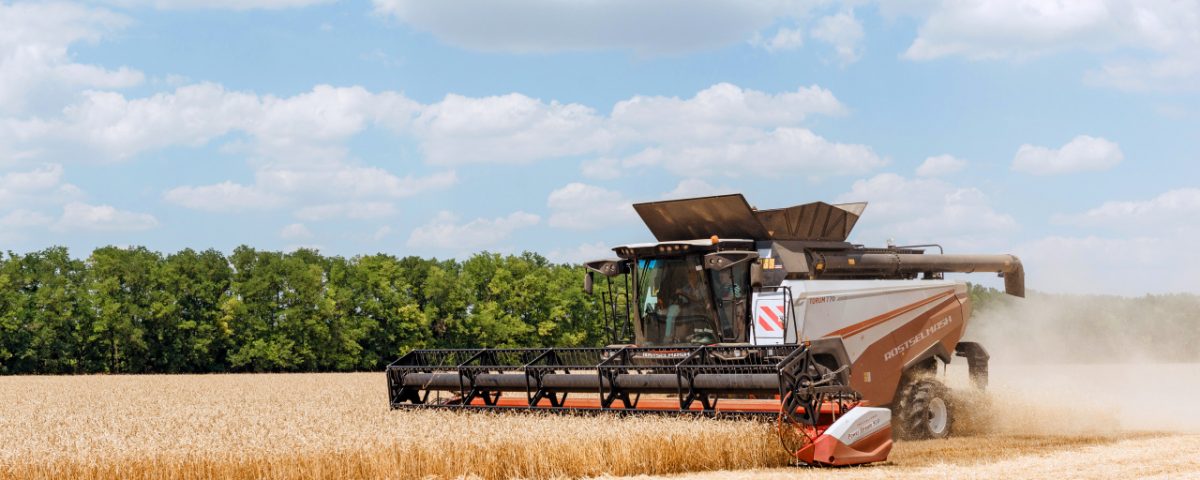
(738, 311)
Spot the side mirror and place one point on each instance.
(756, 274)
(587, 283)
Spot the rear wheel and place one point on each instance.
(925, 410)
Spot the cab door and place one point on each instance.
(771, 317)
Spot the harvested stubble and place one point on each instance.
(331, 426)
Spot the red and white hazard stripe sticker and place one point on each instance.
(770, 317)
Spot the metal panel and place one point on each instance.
(726, 216)
(811, 221)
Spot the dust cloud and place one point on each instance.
(1065, 364)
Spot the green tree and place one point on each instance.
(131, 328)
(196, 338)
(43, 313)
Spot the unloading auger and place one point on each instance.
(744, 312)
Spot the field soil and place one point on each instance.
(339, 426)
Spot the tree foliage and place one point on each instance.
(132, 310)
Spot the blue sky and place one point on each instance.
(1065, 132)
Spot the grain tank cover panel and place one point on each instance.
(817, 221)
(726, 216)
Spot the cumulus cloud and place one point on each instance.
(506, 129)
(939, 165)
(295, 231)
(222, 197)
(580, 206)
(219, 4)
(1091, 264)
(1082, 154)
(790, 151)
(927, 210)
(551, 26)
(298, 137)
(1128, 247)
(35, 65)
(352, 210)
(581, 253)
(844, 33)
(783, 40)
(102, 218)
(724, 128)
(21, 218)
(1168, 211)
(193, 115)
(695, 187)
(339, 180)
(445, 232)
(298, 147)
(1160, 34)
(718, 108)
(279, 186)
(39, 187)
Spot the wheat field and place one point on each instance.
(284, 426)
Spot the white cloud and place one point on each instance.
(844, 33)
(35, 65)
(191, 115)
(1118, 266)
(1143, 44)
(1008, 28)
(295, 231)
(783, 40)
(223, 197)
(606, 168)
(381, 233)
(1166, 212)
(718, 109)
(1082, 154)
(303, 127)
(1143, 255)
(581, 253)
(694, 187)
(219, 4)
(506, 129)
(353, 210)
(927, 210)
(940, 165)
(279, 186)
(82, 216)
(784, 151)
(348, 181)
(19, 219)
(579, 206)
(41, 186)
(302, 139)
(551, 25)
(444, 231)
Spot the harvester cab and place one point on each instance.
(739, 311)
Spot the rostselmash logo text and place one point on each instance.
(926, 333)
(871, 426)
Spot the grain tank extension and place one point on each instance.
(738, 311)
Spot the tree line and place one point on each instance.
(133, 310)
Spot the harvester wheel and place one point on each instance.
(925, 410)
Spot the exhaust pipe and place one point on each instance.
(1008, 266)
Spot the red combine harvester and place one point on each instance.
(745, 312)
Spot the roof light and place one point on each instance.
(715, 240)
